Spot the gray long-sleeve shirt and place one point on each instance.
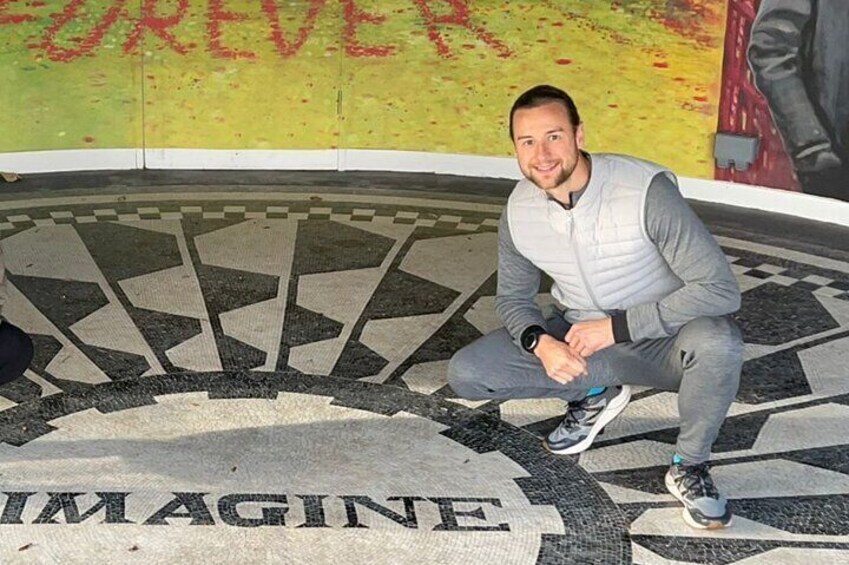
(709, 289)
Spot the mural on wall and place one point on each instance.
(422, 75)
(433, 75)
(786, 85)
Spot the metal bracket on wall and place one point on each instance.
(739, 151)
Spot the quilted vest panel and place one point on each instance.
(598, 253)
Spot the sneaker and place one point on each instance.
(585, 419)
(704, 508)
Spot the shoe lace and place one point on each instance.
(577, 410)
(696, 481)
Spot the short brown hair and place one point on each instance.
(543, 94)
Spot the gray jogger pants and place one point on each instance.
(702, 362)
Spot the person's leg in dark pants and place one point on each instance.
(702, 362)
(16, 352)
(494, 367)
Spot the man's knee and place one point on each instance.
(717, 330)
(16, 352)
(462, 375)
(713, 336)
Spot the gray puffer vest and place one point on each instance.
(598, 253)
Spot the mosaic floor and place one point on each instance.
(257, 373)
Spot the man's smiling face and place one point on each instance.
(547, 144)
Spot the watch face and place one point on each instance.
(529, 341)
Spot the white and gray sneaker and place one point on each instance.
(585, 418)
(704, 507)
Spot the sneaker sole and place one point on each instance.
(614, 409)
(717, 524)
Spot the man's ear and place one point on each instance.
(579, 136)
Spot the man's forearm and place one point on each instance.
(518, 315)
(666, 317)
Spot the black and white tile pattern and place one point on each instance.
(132, 300)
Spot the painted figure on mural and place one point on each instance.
(16, 349)
(644, 294)
(799, 53)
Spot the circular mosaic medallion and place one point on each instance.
(262, 376)
(283, 467)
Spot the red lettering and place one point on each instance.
(217, 15)
(459, 17)
(284, 48)
(158, 25)
(458, 14)
(354, 17)
(86, 44)
(13, 18)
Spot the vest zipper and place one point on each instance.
(576, 247)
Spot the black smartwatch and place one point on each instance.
(530, 337)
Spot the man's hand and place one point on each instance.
(561, 362)
(586, 338)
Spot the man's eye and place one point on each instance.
(554, 137)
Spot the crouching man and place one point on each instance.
(644, 288)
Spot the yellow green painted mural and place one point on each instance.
(422, 75)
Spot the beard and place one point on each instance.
(550, 183)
